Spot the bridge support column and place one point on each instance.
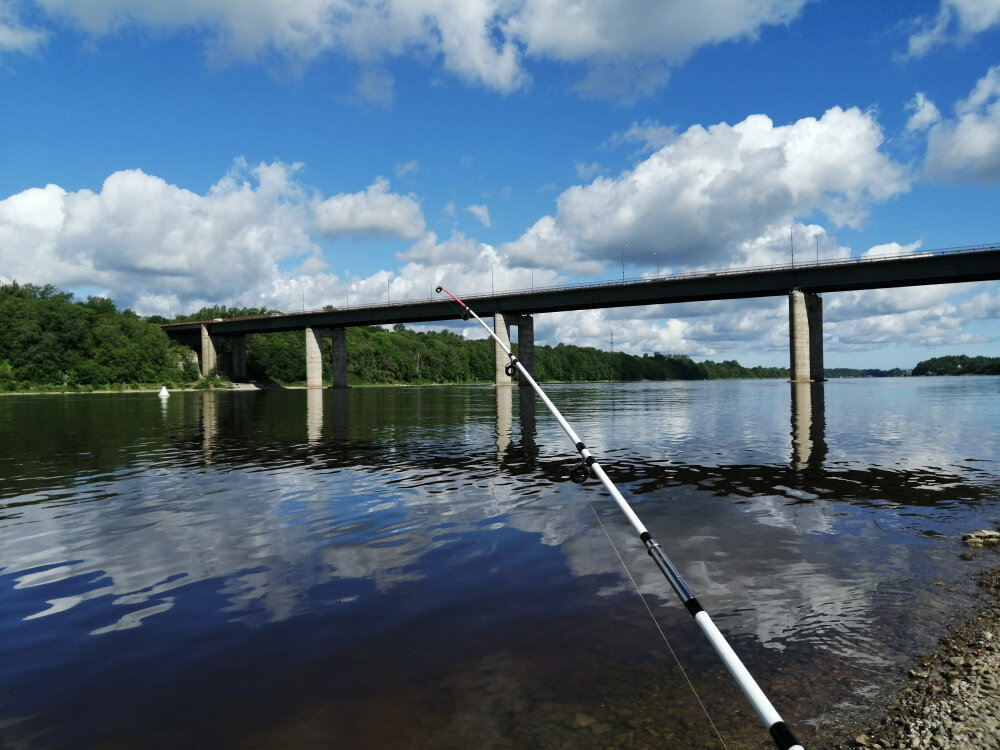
(314, 357)
(805, 331)
(502, 330)
(525, 344)
(209, 354)
(238, 346)
(339, 336)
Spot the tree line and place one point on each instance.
(958, 364)
(50, 340)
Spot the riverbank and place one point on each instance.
(951, 697)
(154, 389)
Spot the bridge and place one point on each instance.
(802, 284)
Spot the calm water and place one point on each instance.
(412, 566)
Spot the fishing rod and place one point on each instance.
(779, 730)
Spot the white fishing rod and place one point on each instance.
(779, 730)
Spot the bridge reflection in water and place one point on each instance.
(328, 419)
(808, 425)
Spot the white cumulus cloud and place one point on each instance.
(15, 35)
(650, 135)
(711, 193)
(373, 212)
(967, 147)
(925, 113)
(140, 230)
(627, 47)
(248, 241)
(481, 212)
(571, 30)
(868, 320)
(956, 22)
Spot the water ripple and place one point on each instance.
(225, 547)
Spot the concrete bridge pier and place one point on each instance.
(209, 353)
(805, 331)
(339, 336)
(314, 356)
(238, 348)
(525, 345)
(223, 353)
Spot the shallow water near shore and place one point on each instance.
(413, 565)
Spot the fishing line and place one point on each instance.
(780, 733)
(656, 622)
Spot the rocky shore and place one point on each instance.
(951, 698)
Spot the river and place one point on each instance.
(411, 567)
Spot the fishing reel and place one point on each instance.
(579, 474)
(509, 369)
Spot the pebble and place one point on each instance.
(582, 720)
(983, 538)
(951, 699)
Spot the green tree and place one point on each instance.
(958, 364)
(48, 339)
(277, 357)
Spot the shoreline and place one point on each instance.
(151, 389)
(240, 386)
(234, 386)
(950, 698)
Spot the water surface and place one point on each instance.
(412, 565)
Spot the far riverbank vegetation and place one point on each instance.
(50, 341)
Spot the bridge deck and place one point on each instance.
(981, 263)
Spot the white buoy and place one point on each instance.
(164, 393)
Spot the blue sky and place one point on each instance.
(290, 153)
